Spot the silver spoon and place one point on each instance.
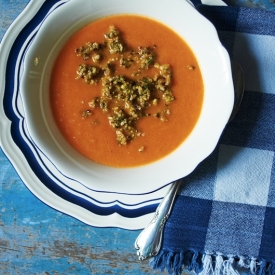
(149, 241)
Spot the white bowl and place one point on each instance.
(214, 63)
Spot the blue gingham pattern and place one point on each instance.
(224, 216)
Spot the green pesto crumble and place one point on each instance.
(125, 100)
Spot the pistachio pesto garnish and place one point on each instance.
(114, 41)
(125, 98)
(89, 49)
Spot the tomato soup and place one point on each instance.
(154, 125)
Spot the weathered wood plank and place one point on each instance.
(36, 239)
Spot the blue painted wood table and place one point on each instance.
(36, 239)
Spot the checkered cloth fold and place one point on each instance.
(223, 220)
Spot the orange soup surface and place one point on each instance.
(138, 125)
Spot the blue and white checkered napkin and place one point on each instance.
(224, 217)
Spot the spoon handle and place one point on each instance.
(148, 243)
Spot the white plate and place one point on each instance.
(100, 206)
